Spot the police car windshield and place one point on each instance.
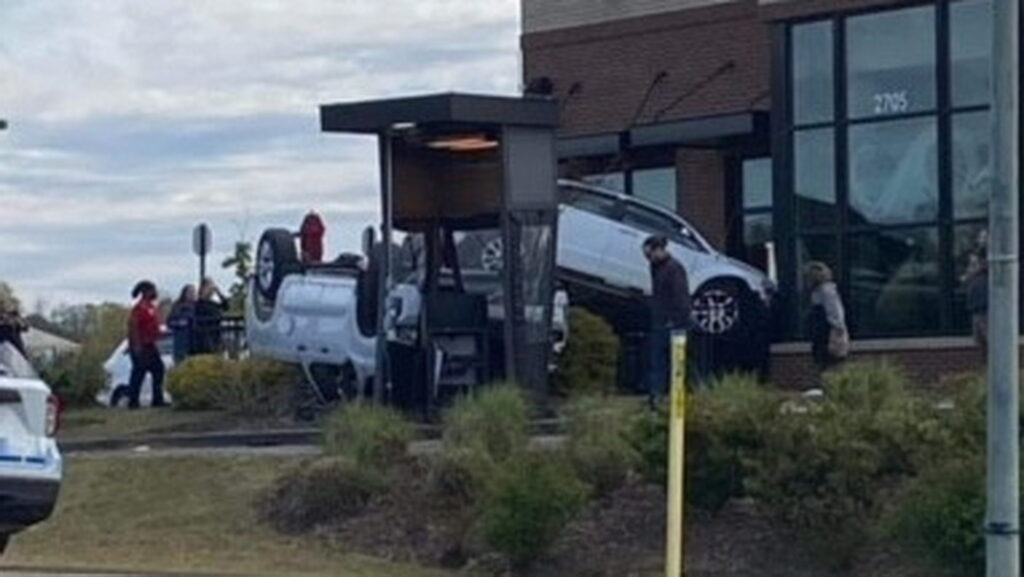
(13, 364)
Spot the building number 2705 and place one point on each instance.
(892, 102)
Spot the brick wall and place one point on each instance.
(552, 14)
(702, 198)
(614, 64)
(927, 366)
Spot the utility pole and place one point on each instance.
(1002, 541)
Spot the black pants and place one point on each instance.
(146, 361)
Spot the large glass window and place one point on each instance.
(970, 46)
(912, 177)
(757, 201)
(972, 173)
(814, 177)
(895, 285)
(812, 73)
(894, 172)
(656, 185)
(891, 62)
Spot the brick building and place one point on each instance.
(849, 131)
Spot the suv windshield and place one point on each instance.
(13, 364)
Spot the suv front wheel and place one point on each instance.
(719, 306)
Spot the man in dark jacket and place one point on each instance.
(670, 311)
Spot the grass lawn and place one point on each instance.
(188, 514)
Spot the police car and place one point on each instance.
(31, 467)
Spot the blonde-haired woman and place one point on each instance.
(830, 340)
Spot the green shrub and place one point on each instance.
(369, 436)
(598, 444)
(725, 425)
(590, 361)
(528, 504)
(261, 388)
(939, 515)
(77, 378)
(826, 470)
(249, 387)
(316, 493)
(482, 433)
(193, 383)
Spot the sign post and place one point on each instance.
(675, 546)
(202, 243)
(1002, 523)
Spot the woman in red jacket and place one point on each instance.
(143, 335)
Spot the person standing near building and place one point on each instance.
(210, 309)
(182, 323)
(830, 339)
(669, 309)
(143, 336)
(311, 238)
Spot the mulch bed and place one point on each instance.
(621, 535)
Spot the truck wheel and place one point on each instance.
(276, 258)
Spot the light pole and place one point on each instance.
(1002, 524)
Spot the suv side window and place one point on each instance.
(654, 223)
(597, 204)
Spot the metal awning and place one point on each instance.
(377, 116)
(705, 131)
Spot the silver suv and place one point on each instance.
(600, 238)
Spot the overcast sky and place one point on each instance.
(130, 121)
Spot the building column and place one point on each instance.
(701, 191)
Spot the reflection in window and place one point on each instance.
(612, 181)
(968, 246)
(891, 62)
(591, 202)
(814, 162)
(757, 183)
(656, 185)
(757, 229)
(972, 174)
(812, 73)
(970, 45)
(895, 282)
(894, 172)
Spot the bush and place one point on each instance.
(598, 444)
(826, 470)
(77, 378)
(317, 493)
(940, 514)
(260, 388)
(249, 387)
(528, 505)
(369, 436)
(725, 425)
(482, 433)
(589, 363)
(193, 383)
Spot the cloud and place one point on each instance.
(131, 121)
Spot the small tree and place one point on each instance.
(241, 262)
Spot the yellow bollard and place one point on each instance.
(675, 547)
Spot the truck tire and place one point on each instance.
(276, 258)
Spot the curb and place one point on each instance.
(249, 439)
